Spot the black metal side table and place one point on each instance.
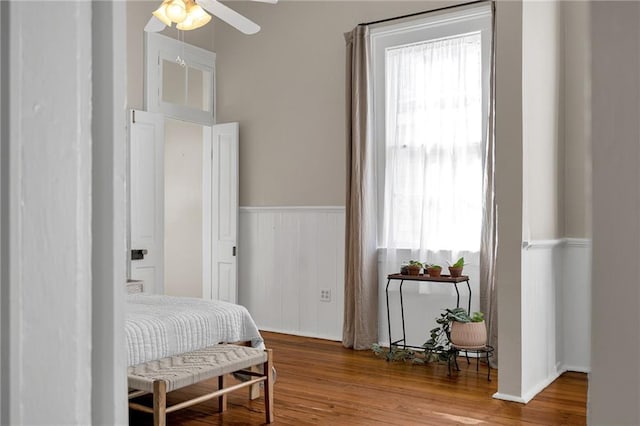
(445, 279)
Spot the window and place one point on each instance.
(430, 91)
(180, 80)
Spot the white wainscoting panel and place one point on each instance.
(576, 305)
(286, 256)
(541, 318)
(556, 303)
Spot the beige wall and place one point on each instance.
(556, 114)
(614, 385)
(285, 85)
(577, 118)
(542, 126)
(509, 193)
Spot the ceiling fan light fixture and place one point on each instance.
(196, 17)
(192, 14)
(161, 13)
(176, 11)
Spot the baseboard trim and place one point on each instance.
(507, 397)
(529, 395)
(577, 369)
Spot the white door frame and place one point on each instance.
(98, 338)
(109, 381)
(4, 219)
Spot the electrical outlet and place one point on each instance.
(325, 295)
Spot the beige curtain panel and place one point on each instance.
(489, 238)
(360, 329)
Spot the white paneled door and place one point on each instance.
(146, 199)
(221, 197)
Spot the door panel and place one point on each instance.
(146, 198)
(223, 140)
(226, 280)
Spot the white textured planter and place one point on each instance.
(469, 335)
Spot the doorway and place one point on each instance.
(184, 170)
(183, 206)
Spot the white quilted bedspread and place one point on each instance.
(161, 326)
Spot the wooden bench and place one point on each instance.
(167, 374)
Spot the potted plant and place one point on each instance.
(456, 330)
(455, 270)
(471, 334)
(433, 270)
(414, 267)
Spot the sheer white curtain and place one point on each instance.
(434, 148)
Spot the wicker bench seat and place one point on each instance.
(171, 373)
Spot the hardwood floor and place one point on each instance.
(320, 382)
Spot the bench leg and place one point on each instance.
(159, 403)
(254, 390)
(222, 399)
(267, 369)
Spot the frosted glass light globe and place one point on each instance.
(176, 11)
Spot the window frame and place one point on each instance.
(437, 25)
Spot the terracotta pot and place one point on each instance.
(470, 335)
(413, 269)
(455, 272)
(434, 272)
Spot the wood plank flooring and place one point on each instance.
(321, 383)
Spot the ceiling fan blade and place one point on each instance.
(267, 1)
(229, 16)
(154, 25)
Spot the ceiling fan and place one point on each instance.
(192, 14)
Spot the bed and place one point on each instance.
(162, 326)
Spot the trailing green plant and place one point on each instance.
(433, 266)
(438, 347)
(415, 263)
(396, 354)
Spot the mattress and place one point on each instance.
(162, 326)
